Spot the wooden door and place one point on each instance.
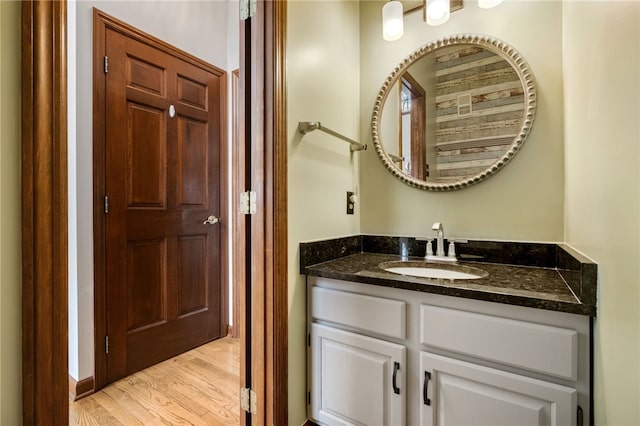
(356, 380)
(460, 393)
(164, 293)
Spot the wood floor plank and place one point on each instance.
(94, 414)
(130, 405)
(117, 410)
(200, 387)
(226, 382)
(213, 389)
(157, 400)
(182, 385)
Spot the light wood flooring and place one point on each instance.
(200, 387)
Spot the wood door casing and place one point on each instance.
(165, 286)
(45, 399)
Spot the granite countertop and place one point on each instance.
(557, 287)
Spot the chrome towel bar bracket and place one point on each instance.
(305, 127)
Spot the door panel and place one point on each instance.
(163, 273)
(146, 264)
(192, 265)
(145, 76)
(146, 155)
(192, 93)
(192, 163)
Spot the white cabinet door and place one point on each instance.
(356, 380)
(457, 393)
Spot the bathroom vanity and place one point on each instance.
(510, 348)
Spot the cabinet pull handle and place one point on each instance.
(425, 398)
(396, 367)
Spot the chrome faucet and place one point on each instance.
(440, 237)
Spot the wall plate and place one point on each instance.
(350, 204)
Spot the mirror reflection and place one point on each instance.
(454, 113)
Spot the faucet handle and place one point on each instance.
(437, 226)
(452, 249)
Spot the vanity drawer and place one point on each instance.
(367, 313)
(541, 348)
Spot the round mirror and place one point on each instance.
(454, 112)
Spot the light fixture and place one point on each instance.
(488, 4)
(392, 21)
(437, 11)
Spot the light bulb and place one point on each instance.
(392, 21)
(488, 4)
(437, 12)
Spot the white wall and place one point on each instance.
(602, 217)
(10, 201)
(72, 208)
(233, 63)
(523, 201)
(198, 27)
(322, 85)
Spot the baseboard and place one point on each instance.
(78, 390)
(232, 332)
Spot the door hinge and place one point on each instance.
(106, 204)
(248, 400)
(308, 398)
(106, 64)
(247, 9)
(106, 344)
(309, 339)
(248, 202)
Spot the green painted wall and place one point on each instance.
(602, 205)
(10, 257)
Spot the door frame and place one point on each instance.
(45, 376)
(44, 213)
(266, 278)
(418, 125)
(101, 23)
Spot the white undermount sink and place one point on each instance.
(425, 269)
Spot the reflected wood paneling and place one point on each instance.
(479, 99)
(200, 387)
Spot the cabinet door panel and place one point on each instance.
(463, 394)
(353, 379)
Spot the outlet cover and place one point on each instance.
(350, 204)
